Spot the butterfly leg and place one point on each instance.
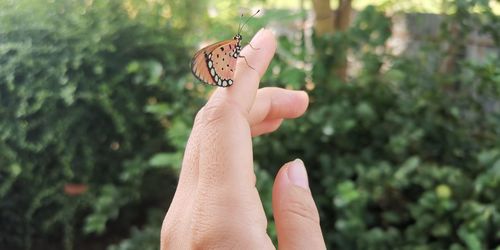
(246, 62)
(249, 44)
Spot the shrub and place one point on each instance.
(97, 102)
(81, 84)
(403, 156)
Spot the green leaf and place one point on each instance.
(166, 160)
(95, 223)
(407, 168)
(471, 239)
(486, 157)
(161, 109)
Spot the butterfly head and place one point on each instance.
(238, 37)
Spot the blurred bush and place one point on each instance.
(97, 102)
(404, 155)
(87, 91)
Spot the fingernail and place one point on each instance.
(297, 174)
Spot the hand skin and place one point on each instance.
(216, 204)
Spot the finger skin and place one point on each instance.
(217, 199)
(295, 214)
(277, 103)
(226, 157)
(272, 106)
(216, 205)
(266, 126)
(246, 79)
(227, 208)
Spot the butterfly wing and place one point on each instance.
(215, 64)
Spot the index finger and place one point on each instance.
(246, 79)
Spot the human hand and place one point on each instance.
(216, 204)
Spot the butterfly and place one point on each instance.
(215, 64)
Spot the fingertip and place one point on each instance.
(296, 103)
(281, 182)
(289, 174)
(250, 67)
(295, 212)
(303, 96)
(264, 39)
(302, 102)
(297, 174)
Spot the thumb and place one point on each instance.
(295, 214)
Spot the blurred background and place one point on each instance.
(401, 139)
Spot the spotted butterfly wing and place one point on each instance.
(216, 63)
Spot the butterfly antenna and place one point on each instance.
(239, 26)
(246, 21)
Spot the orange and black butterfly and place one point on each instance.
(215, 64)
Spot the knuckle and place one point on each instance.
(215, 110)
(198, 117)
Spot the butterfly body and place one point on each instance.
(216, 63)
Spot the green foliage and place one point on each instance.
(82, 86)
(402, 156)
(98, 94)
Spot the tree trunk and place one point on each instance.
(343, 16)
(324, 17)
(328, 23)
(342, 21)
